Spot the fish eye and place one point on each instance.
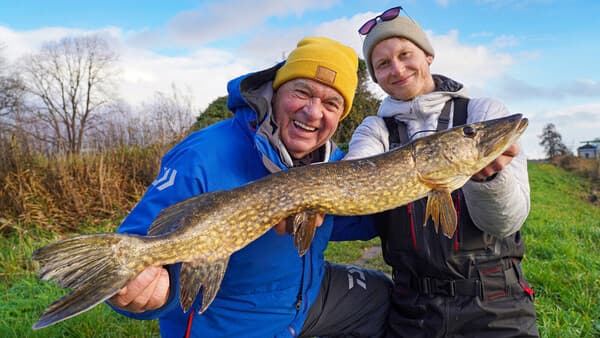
(469, 131)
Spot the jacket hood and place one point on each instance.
(252, 90)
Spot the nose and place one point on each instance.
(398, 67)
(314, 108)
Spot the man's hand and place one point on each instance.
(280, 228)
(498, 164)
(148, 291)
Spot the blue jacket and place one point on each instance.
(267, 288)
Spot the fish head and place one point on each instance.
(449, 158)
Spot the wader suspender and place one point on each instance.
(397, 129)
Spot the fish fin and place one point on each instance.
(294, 222)
(91, 265)
(431, 209)
(169, 219)
(211, 282)
(190, 281)
(196, 274)
(448, 218)
(305, 232)
(441, 210)
(180, 214)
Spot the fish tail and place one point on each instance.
(92, 265)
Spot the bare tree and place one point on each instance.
(70, 81)
(12, 103)
(551, 140)
(169, 116)
(111, 129)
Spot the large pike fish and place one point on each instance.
(203, 231)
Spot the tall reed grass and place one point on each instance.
(58, 192)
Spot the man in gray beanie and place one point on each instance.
(470, 284)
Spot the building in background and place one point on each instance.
(589, 149)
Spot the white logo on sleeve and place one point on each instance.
(356, 275)
(166, 180)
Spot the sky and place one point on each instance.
(539, 57)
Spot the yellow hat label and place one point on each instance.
(325, 75)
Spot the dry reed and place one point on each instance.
(62, 192)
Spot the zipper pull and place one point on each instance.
(299, 303)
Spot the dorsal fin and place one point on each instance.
(177, 215)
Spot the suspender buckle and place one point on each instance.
(432, 286)
(445, 287)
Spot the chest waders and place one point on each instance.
(470, 284)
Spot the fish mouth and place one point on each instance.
(501, 133)
(522, 125)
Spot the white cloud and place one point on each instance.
(205, 73)
(223, 19)
(504, 41)
(575, 123)
(268, 47)
(142, 72)
(474, 66)
(520, 89)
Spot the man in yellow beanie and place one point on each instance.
(470, 285)
(284, 117)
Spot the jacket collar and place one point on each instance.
(426, 106)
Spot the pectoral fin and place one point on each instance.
(305, 231)
(293, 222)
(441, 210)
(195, 274)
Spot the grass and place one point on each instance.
(24, 297)
(561, 262)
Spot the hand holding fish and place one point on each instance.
(498, 164)
(148, 291)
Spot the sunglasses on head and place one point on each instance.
(388, 15)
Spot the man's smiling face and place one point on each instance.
(307, 113)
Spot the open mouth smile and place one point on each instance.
(303, 126)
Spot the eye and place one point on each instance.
(381, 64)
(333, 105)
(469, 131)
(302, 93)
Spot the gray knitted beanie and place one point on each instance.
(401, 26)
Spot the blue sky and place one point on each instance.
(538, 57)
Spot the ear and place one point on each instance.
(429, 59)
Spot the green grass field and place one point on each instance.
(562, 263)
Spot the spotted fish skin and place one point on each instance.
(203, 231)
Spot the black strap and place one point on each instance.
(397, 129)
(460, 111)
(398, 134)
(444, 118)
(489, 281)
(447, 287)
(392, 128)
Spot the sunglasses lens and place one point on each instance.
(366, 28)
(390, 14)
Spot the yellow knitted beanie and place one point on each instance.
(326, 61)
